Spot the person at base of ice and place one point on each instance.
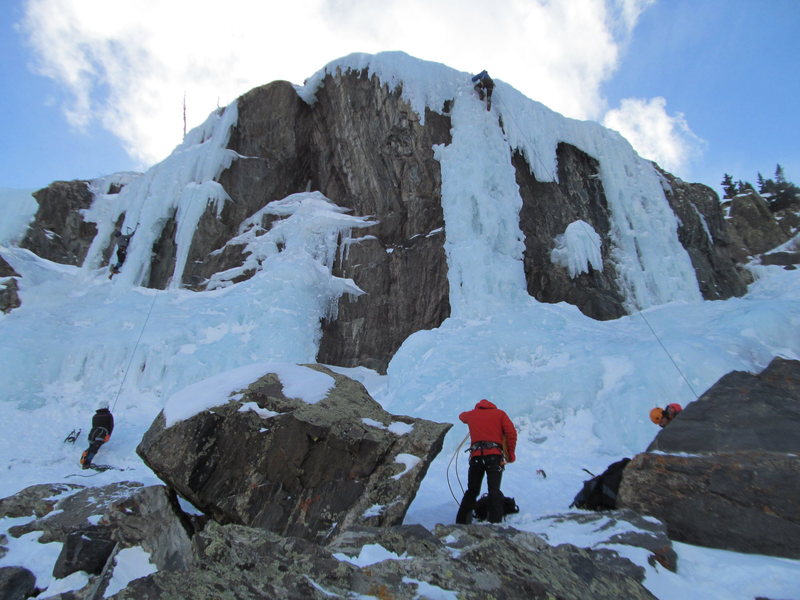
(493, 441)
(663, 416)
(102, 426)
(122, 248)
(484, 85)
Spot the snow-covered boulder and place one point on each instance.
(94, 524)
(726, 472)
(299, 450)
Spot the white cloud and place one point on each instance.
(128, 63)
(655, 134)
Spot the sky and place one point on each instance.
(702, 86)
(578, 390)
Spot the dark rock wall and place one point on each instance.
(373, 155)
(363, 147)
(59, 232)
(547, 209)
(716, 259)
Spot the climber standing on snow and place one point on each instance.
(493, 442)
(102, 426)
(484, 85)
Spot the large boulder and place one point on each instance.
(472, 562)
(726, 472)
(297, 468)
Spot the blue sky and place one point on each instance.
(717, 82)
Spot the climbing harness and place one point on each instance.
(484, 446)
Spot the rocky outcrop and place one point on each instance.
(9, 288)
(94, 523)
(37, 500)
(465, 562)
(755, 224)
(789, 260)
(707, 236)
(727, 473)
(626, 528)
(58, 232)
(303, 469)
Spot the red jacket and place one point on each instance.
(487, 423)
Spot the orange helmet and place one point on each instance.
(656, 415)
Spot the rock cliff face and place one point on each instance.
(711, 243)
(365, 149)
(363, 146)
(547, 209)
(727, 472)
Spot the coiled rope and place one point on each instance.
(453, 459)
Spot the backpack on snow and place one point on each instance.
(600, 492)
(481, 510)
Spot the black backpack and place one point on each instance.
(481, 510)
(600, 492)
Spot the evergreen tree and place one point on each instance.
(779, 176)
(728, 186)
(761, 183)
(743, 187)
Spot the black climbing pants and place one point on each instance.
(491, 466)
(97, 437)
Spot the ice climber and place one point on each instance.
(493, 442)
(484, 85)
(102, 426)
(122, 249)
(663, 416)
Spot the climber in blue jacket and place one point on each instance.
(484, 85)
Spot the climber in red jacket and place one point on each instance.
(493, 442)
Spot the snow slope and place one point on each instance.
(578, 390)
